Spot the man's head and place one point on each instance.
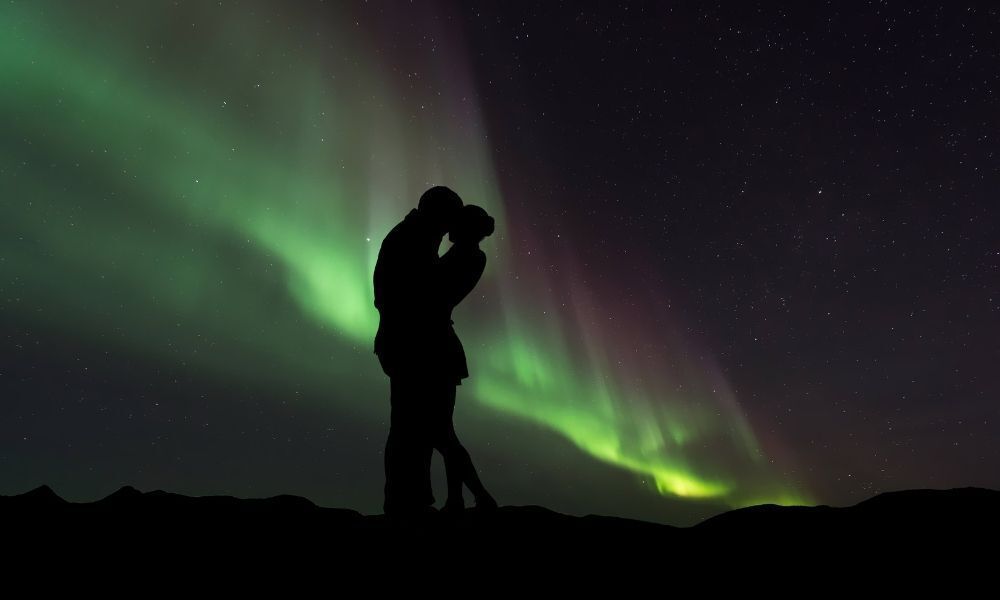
(441, 207)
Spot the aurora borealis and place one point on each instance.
(193, 198)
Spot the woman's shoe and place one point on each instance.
(486, 503)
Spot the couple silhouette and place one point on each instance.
(416, 344)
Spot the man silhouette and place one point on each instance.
(410, 343)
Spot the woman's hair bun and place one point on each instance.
(477, 220)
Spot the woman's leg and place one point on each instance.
(452, 452)
(458, 464)
(471, 478)
(460, 470)
(446, 442)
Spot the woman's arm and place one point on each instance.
(460, 271)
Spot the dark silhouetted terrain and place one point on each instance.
(160, 527)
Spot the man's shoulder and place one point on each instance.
(406, 228)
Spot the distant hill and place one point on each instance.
(158, 524)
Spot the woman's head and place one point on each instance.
(472, 226)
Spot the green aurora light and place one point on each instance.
(218, 195)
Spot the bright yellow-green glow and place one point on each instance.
(547, 391)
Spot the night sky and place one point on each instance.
(745, 252)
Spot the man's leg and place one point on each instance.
(423, 447)
(398, 496)
(407, 449)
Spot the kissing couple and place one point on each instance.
(416, 344)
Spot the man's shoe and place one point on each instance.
(453, 509)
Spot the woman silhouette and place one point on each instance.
(460, 269)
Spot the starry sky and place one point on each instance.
(744, 253)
